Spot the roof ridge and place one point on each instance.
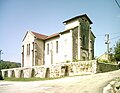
(38, 33)
(53, 35)
(40, 36)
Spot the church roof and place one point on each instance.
(53, 35)
(40, 36)
(84, 15)
(44, 37)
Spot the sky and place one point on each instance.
(46, 17)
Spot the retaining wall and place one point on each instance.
(105, 67)
(59, 70)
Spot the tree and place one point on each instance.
(7, 65)
(117, 51)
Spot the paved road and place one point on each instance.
(78, 84)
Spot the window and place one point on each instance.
(56, 46)
(23, 48)
(48, 49)
(84, 40)
(23, 56)
(28, 49)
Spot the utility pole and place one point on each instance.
(1, 78)
(107, 42)
(0, 54)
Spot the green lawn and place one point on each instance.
(28, 79)
(37, 79)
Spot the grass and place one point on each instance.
(28, 79)
(37, 79)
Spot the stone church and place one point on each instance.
(76, 42)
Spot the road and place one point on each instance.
(77, 84)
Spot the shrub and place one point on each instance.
(67, 61)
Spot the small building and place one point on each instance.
(76, 42)
(104, 56)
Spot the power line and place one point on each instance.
(110, 34)
(114, 37)
(117, 3)
(114, 33)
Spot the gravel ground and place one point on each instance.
(78, 84)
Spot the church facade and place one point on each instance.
(76, 42)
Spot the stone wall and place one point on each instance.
(59, 70)
(39, 71)
(52, 71)
(105, 67)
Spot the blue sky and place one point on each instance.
(46, 17)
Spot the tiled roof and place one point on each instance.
(40, 36)
(44, 37)
(53, 35)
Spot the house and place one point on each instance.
(76, 42)
(104, 56)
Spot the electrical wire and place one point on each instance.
(114, 33)
(114, 38)
(117, 3)
(109, 34)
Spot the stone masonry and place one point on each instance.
(54, 70)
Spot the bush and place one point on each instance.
(76, 60)
(8, 64)
(106, 61)
(67, 61)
